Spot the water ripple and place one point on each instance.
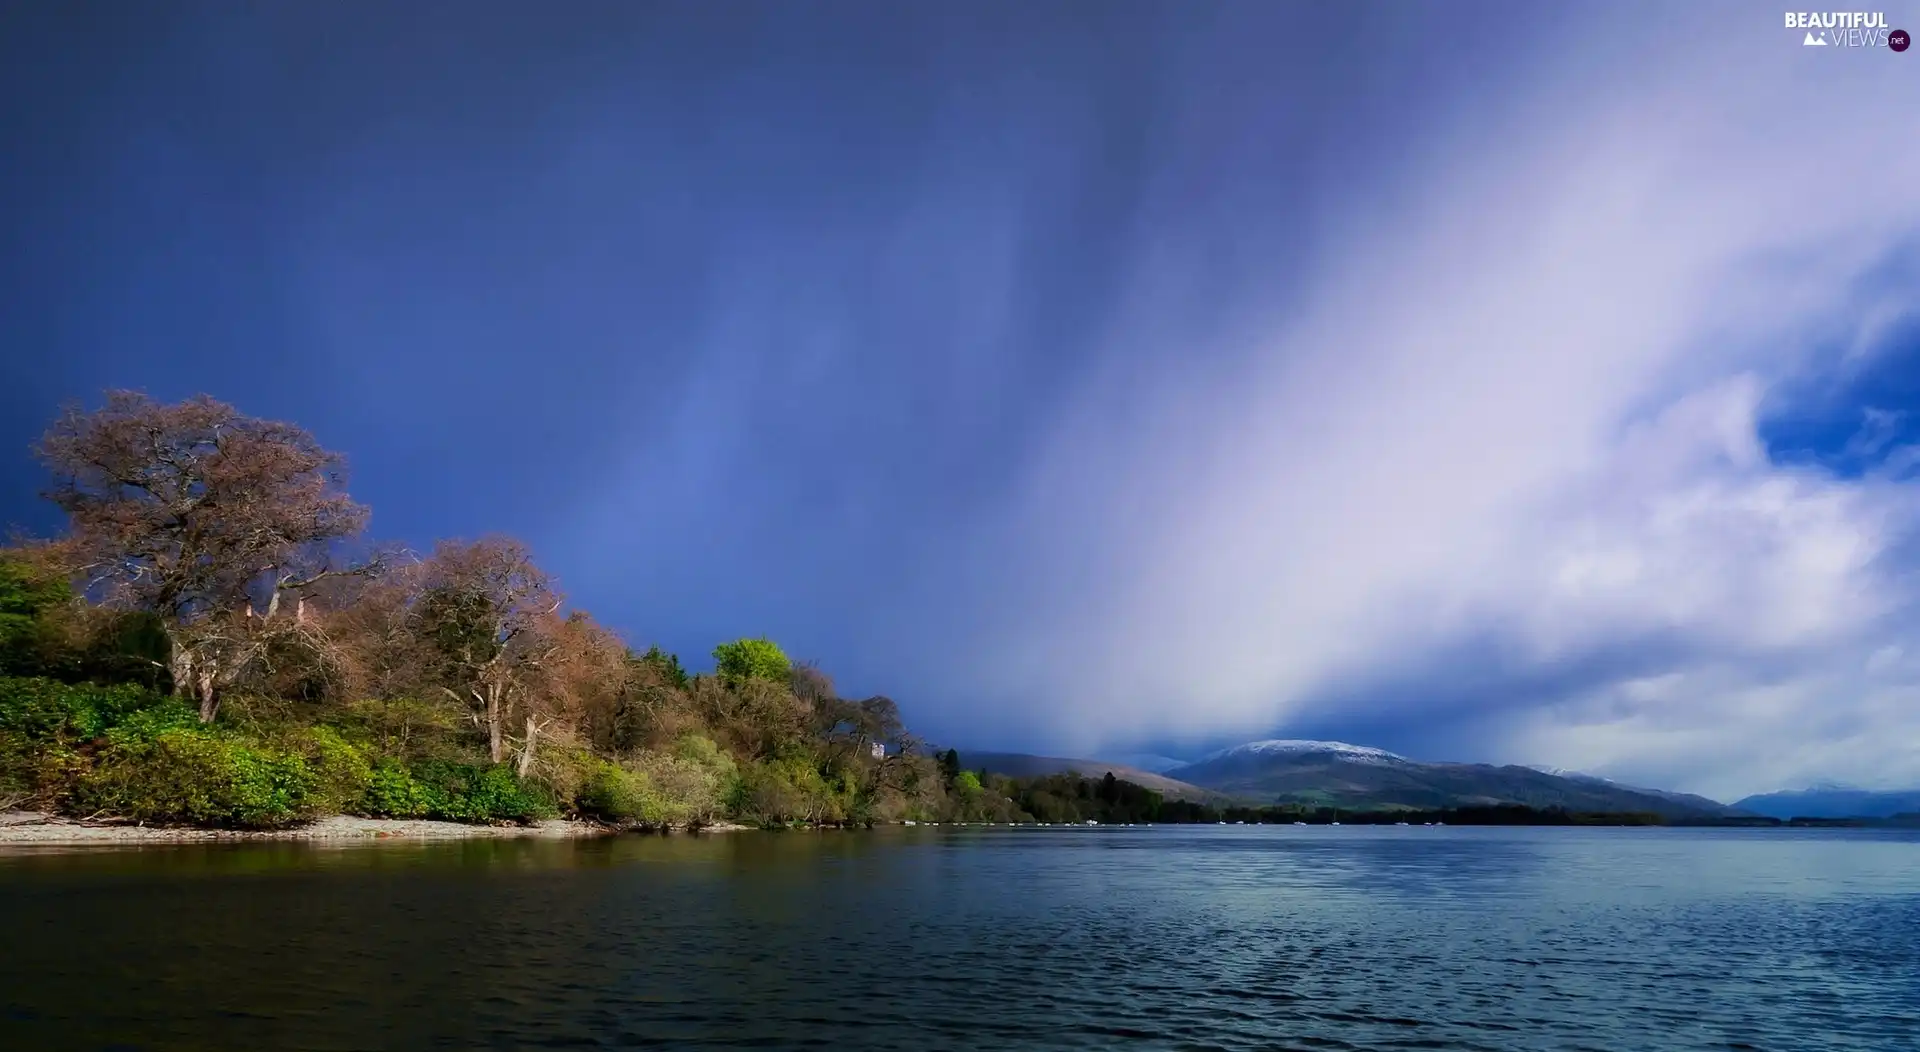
(1217, 939)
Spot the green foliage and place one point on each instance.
(667, 665)
(43, 709)
(28, 595)
(745, 659)
(699, 775)
(616, 794)
(454, 792)
(966, 783)
(198, 776)
(403, 725)
(793, 789)
(342, 772)
(393, 793)
(459, 624)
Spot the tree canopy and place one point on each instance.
(746, 659)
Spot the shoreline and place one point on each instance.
(41, 828)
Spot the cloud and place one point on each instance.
(1520, 400)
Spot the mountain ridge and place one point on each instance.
(1828, 800)
(1363, 777)
(1339, 774)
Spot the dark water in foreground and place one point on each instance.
(1197, 938)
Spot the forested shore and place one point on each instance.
(215, 641)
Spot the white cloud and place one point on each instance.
(1522, 399)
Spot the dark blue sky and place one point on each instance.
(951, 345)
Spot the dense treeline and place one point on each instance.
(214, 640)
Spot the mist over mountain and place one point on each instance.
(1150, 762)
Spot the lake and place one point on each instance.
(986, 938)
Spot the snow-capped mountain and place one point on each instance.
(1303, 747)
(1341, 774)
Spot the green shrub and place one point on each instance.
(497, 795)
(200, 777)
(454, 792)
(342, 772)
(616, 794)
(393, 793)
(689, 792)
(788, 790)
(42, 709)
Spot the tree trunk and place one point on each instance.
(180, 667)
(209, 701)
(496, 740)
(526, 751)
(194, 679)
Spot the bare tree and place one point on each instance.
(580, 669)
(488, 614)
(207, 518)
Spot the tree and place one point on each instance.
(747, 659)
(34, 596)
(950, 765)
(205, 517)
(667, 665)
(486, 612)
(581, 673)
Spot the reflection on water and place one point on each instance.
(1198, 938)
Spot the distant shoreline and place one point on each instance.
(39, 828)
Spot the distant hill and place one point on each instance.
(1023, 765)
(1150, 762)
(1336, 774)
(1832, 801)
(1690, 799)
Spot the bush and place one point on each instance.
(392, 792)
(342, 773)
(47, 726)
(200, 777)
(689, 792)
(454, 792)
(44, 709)
(791, 789)
(617, 794)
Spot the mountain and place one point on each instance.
(1023, 765)
(1357, 776)
(1833, 801)
(1150, 762)
(1690, 799)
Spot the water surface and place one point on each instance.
(1151, 938)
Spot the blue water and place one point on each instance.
(1151, 938)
